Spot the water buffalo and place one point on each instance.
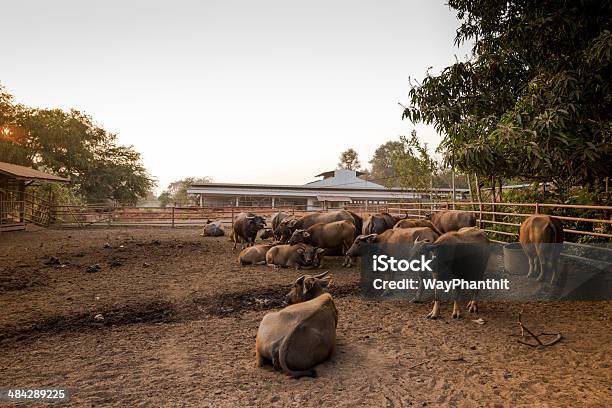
(412, 223)
(541, 237)
(265, 233)
(213, 229)
(276, 220)
(254, 255)
(338, 234)
(452, 220)
(378, 223)
(459, 254)
(302, 335)
(293, 256)
(290, 224)
(245, 228)
(391, 238)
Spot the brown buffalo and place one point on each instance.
(245, 228)
(338, 234)
(378, 223)
(541, 237)
(293, 256)
(300, 336)
(392, 237)
(465, 254)
(288, 225)
(452, 220)
(254, 255)
(412, 223)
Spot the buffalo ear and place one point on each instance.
(325, 282)
(320, 250)
(306, 234)
(300, 251)
(300, 280)
(309, 284)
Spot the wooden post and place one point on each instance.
(480, 215)
(537, 208)
(453, 184)
(173, 207)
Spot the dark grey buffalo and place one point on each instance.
(245, 228)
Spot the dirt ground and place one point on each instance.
(180, 317)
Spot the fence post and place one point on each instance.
(173, 207)
(232, 220)
(110, 215)
(480, 215)
(537, 208)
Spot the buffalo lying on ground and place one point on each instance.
(452, 220)
(213, 229)
(339, 234)
(293, 256)
(412, 223)
(459, 254)
(245, 228)
(254, 255)
(300, 336)
(378, 223)
(541, 237)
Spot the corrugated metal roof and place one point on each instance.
(27, 173)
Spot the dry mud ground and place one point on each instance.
(180, 318)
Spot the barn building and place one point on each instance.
(14, 200)
(336, 189)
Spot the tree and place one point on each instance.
(176, 192)
(349, 160)
(72, 145)
(383, 168)
(533, 101)
(414, 166)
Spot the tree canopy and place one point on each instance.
(349, 160)
(533, 101)
(71, 145)
(176, 192)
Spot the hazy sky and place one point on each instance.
(242, 91)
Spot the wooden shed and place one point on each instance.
(13, 182)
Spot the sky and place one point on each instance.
(240, 91)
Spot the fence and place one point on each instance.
(500, 219)
(504, 219)
(105, 215)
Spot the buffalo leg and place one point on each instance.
(542, 262)
(417, 297)
(456, 310)
(435, 311)
(259, 360)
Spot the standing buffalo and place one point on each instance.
(459, 254)
(213, 229)
(412, 223)
(288, 225)
(391, 238)
(378, 223)
(452, 220)
(541, 237)
(300, 336)
(276, 220)
(245, 228)
(339, 234)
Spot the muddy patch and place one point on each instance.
(222, 305)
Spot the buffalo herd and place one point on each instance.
(302, 335)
